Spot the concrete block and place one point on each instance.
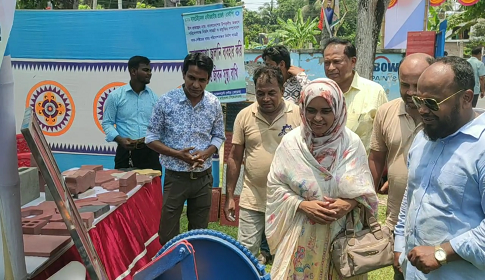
(48, 195)
(29, 184)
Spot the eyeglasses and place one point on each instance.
(431, 103)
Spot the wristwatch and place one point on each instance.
(440, 254)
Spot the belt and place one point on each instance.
(191, 175)
(139, 146)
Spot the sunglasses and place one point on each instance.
(431, 103)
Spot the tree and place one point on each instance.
(252, 24)
(467, 18)
(369, 17)
(299, 33)
(347, 24)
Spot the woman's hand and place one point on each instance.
(318, 211)
(340, 206)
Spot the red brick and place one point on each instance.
(37, 213)
(88, 219)
(94, 168)
(103, 177)
(32, 226)
(111, 186)
(44, 245)
(55, 228)
(113, 198)
(128, 182)
(81, 181)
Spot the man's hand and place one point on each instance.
(340, 206)
(482, 94)
(126, 143)
(186, 156)
(201, 157)
(396, 261)
(230, 209)
(422, 257)
(295, 70)
(384, 189)
(317, 211)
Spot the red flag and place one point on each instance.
(322, 16)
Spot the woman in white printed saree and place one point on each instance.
(319, 174)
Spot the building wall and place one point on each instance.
(455, 48)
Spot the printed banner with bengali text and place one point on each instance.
(219, 35)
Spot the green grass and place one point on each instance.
(381, 274)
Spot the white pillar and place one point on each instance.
(12, 246)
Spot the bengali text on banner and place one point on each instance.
(219, 35)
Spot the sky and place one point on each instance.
(253, 5)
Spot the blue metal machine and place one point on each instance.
(203, 255)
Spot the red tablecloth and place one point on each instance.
(126, 240)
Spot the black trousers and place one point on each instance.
(143, 158)
(196, 189)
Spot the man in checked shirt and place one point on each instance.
(295, 78)
(187, 128)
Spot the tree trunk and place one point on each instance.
(369, 20)
(325, 35)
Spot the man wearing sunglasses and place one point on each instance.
(441, 228)
(395, 125)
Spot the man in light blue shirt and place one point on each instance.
(126, 115)
(479, 72)
(187, 128)
(441, 230)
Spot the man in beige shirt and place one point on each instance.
(395, 125)
(362, 96)
(258, 130)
